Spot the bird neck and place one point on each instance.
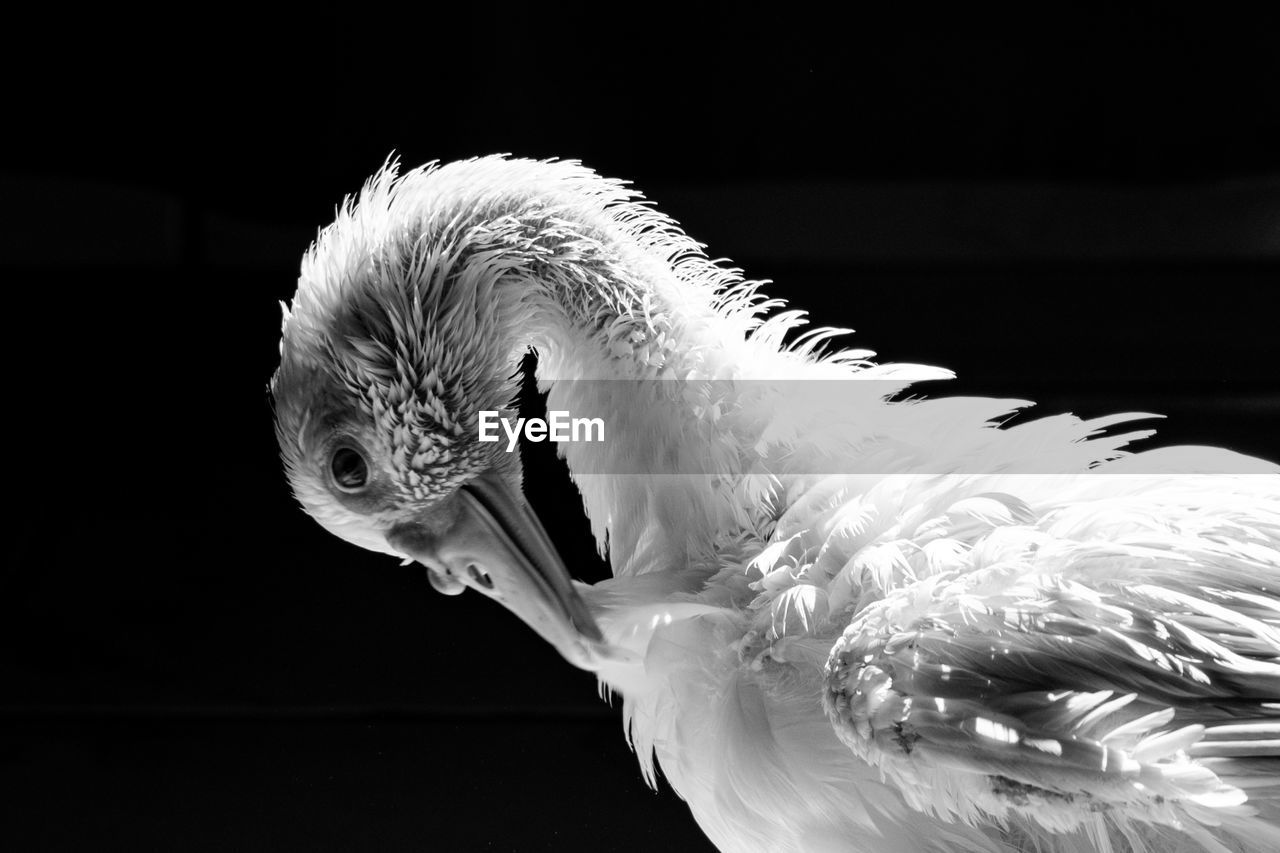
(672, 352)
(622, 334)
(633, 325)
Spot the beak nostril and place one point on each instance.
(480, 576)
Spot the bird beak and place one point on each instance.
(486, 537)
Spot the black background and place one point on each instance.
(192, 664)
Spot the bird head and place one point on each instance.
(402, 330)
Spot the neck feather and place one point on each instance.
(674, 353)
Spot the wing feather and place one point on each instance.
(1056, 696)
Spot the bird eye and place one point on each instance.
(350, 471)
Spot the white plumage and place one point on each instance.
(837, 622)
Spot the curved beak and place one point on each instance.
(486, 537)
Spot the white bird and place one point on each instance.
(838, 621)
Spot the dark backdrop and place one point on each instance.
(1080, 208)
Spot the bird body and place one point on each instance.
(838, 619)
